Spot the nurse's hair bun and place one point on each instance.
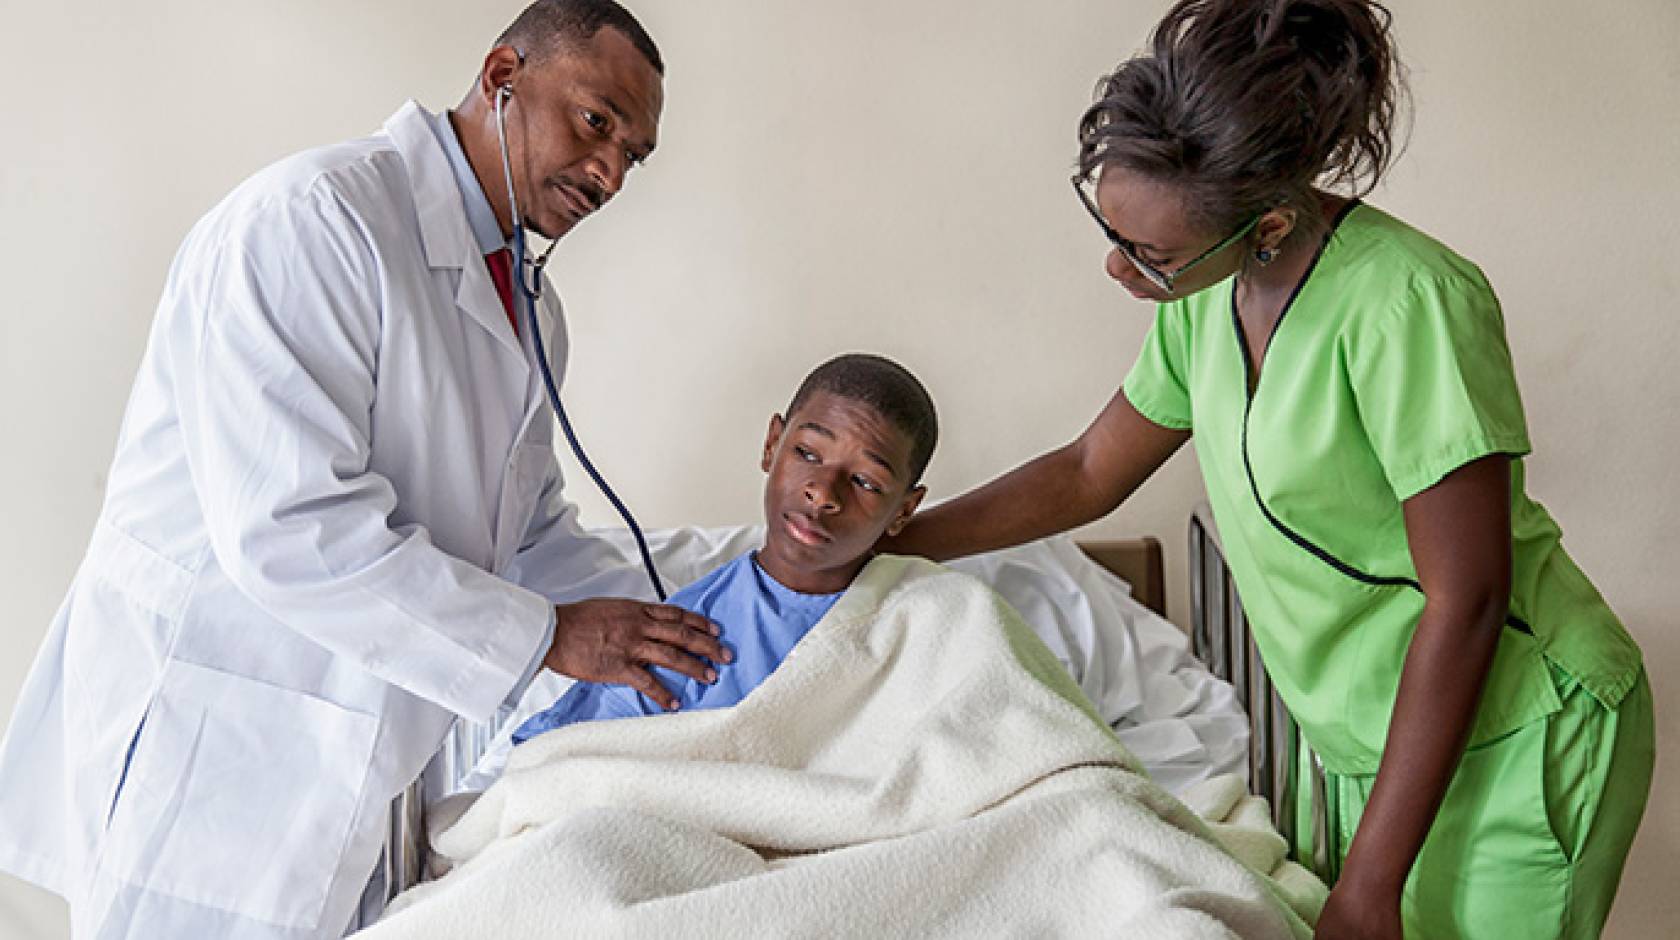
(1245, 105)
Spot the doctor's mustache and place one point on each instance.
(596, 195)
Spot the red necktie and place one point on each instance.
(500, 263)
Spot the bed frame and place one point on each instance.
(1277, 761)
(1282, 768)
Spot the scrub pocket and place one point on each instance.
(1492, 865)
(1598, 777)
(240, 796)
(1535, 827)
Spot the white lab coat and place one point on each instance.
(333, 523)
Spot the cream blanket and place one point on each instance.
(920, 766)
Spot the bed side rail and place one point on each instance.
(402, 860)
(1280, 764)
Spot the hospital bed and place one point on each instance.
(1129, 576)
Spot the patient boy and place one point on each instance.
(844, 468)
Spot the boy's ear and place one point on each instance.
(912, 500)
(772, 437)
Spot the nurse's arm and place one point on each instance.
(1067, 487)
(1459, 532)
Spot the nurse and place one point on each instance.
(1484, 716)
(334, 520)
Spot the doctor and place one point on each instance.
(334, 520)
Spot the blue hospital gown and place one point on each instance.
(760, 621)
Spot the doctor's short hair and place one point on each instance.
(888, 388)
(549, 26)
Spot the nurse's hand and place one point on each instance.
(615, 640)
(1352, 913)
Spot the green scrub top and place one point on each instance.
(1388, 370)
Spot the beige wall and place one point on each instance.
(876, 175)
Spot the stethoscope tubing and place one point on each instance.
(530, 296)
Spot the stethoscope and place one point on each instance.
(531, 293)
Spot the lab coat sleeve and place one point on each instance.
(280, 325)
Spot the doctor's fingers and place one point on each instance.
(685, 636)
(668, 614)
(644, 682)
(651, 653)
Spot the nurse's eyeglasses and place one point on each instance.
(1162, 279)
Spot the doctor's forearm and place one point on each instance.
(1441, 685)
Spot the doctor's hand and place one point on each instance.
(615, 640)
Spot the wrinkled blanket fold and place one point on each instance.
(919, 766)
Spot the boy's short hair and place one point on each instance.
(885, 386)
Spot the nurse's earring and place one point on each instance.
(1265, 255)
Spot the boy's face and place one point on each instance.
(839, 480)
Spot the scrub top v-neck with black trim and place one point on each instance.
(1387, 370)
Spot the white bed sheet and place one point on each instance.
(1181, 721)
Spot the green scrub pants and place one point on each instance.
(1535, 827)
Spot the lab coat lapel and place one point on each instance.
(535, 428)
(477, 298)
(444, 230)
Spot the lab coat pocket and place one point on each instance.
(530, 471)
(526, 473)
(240, 795)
